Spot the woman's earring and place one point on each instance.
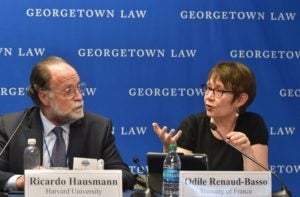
(237, 112)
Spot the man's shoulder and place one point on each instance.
(12, 116)
(91, 116)
(10, 120)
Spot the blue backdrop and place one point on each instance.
(144, 61)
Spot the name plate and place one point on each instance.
(225, 183)
(73, 183)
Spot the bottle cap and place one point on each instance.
(31, 141)
(172, 147)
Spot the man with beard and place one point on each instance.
(56, 90)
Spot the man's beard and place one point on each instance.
(63, 117)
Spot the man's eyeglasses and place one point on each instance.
(70, 91)
(217, 92)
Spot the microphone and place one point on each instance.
(284, 191)
(141, 193)
(15, 130)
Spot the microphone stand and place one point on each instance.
(284, 192)
(142, 193)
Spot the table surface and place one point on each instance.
(126, 193)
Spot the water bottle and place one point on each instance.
(172, 166)
(31, 155)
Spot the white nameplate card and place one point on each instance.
(73, 183)
(80, 163)
(225, 183)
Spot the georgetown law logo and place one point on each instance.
(236, 15)
(165, 92)
(290, 92)
(130, 130)
(264, 54)
(137, 170)
(22, 52)
(286, 168)
(282, 131)
(136, 53)
(22, 91)
(85, 13)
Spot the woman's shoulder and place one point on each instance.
(195, 120)
(255, 128)
(251, 116)
(197, 116)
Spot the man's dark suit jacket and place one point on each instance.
(90, 137)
